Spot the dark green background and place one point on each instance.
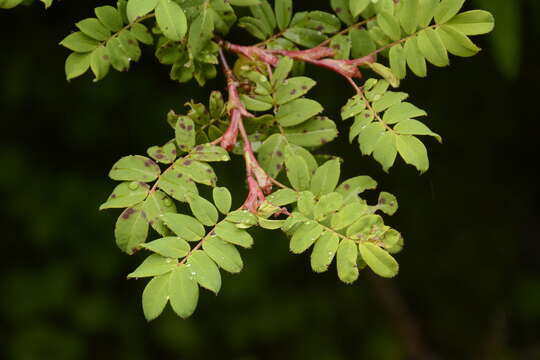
(469, 280)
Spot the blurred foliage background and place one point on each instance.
(469, 286)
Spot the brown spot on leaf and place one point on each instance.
(127, 213)
(113, 196)
(279, 153)
(190, 127)
(346, 186)
(338, 10)
(187, 162)
(199, 148)
(293, 91)
(182, 126)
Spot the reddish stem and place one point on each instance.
(259, 183)
(317, 56)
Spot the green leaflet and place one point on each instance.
(155, 296)
(297, 171)
(138, 8)
(408, 16)
(327, 205)
(141, 33)
(305, 236)
(174, 183)
(203, 209)
(99, 63)
(353, 107)
(361, 43)
(370, 136)
(209, 152)
(204, 270)
(293, 88)
(342, 44)
(385, 150)
(77, 64)
(271, 154)
(341, 8)
(201, 32)
(389, 24)
(398, 61)
(118, 57)
(325, 178)
(314, 132)
(93, 28)
(284, 10)
(387, 203)
(109, 17)
(304, 37)
(79, 42)
(366, 227)
(447, 9)
(415, 59)
(282, 197)
(457, 43)
(474, 22)
(256, 103)
(243, 219)
(324, 251)
(282, 71)
(232, 234)
(402, 111)
(224, 254)
(155, 206)
(414, 127)
(358, 6)
(306, 203)
(187, 227)
(426, 12)
(129, 45)
(265, 14)
(171, 20)
(432, 47)
(254, 26)
(170, 246)
(413, 152)
(271, 224)
(388, 99)
(197, 171)
(9, 4)
(382, 263)
(126, 194)
(305, 154)
(131, 229)
(348, 215)
(347, 253)
(354, 186)
(185, 133)
(222, 199)
(244, 2)
(154, 265)
(183, 291)
(319, 21)
(391, 238)
(164, 154)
